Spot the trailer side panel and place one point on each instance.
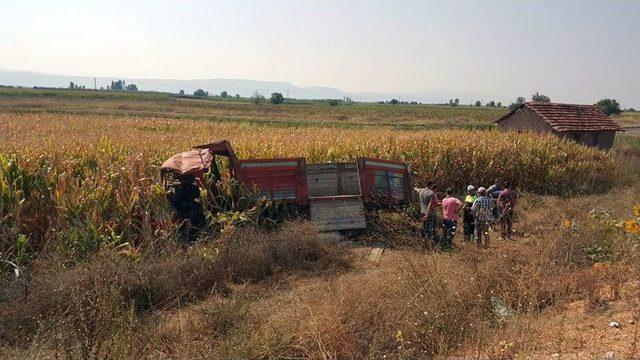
(277, 179)
(384, 179)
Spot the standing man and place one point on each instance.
(507, 202)
(495, 189)
(451, 207)
(482, 210)
(494, 192)
(184, 198)
(467, 215)
(428, 203)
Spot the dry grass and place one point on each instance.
(311, 304)
(94, 309)
(416, 305)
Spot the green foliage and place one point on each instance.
(540, 98)
(519, 101)
(200, 93)
(333, 102)
(80, 240)
(22, 252)
(609, 106)
(132, 87)
(276, 98)
(118, 85)
(224, 94)
(478, 103)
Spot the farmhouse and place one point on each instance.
(583, 123)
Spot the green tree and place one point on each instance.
(394, 101)
(609, 106)
(519, 101)
(237, 96)
(276, 98)
(132, 87)
(200, 93)
(181, 92)
(224, 94)
(333, 102)
(540, 98)
(478, 103)
(71, 85)
(499, 104)
(491, 104)
(118, 85)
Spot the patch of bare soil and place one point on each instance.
(607, 329)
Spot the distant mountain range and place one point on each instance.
(233, 86)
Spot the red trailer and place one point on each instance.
(277, 179)
(336, 194)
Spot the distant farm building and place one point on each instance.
(583, 123)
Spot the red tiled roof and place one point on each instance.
(570, 117)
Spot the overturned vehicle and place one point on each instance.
(335, 195)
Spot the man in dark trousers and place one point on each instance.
(467, 215)
(428, 203)
(507, 202)
(482, 210)
(451, 208)
(184, 199)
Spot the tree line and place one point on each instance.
(607, 106)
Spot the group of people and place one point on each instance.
(481, 209)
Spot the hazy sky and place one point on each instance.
(574, 51)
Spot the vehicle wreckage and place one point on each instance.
(335, 195)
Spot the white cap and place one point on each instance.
(482, 189)
(471, 188)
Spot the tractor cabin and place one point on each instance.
(584, 124)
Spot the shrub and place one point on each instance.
(609, 106)
(540, 97)
(276, 98)
(200, 93)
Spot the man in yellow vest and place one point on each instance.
(467, 215)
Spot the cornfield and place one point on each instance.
(299, 112)
(76, 183)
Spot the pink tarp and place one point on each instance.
(189, 162)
